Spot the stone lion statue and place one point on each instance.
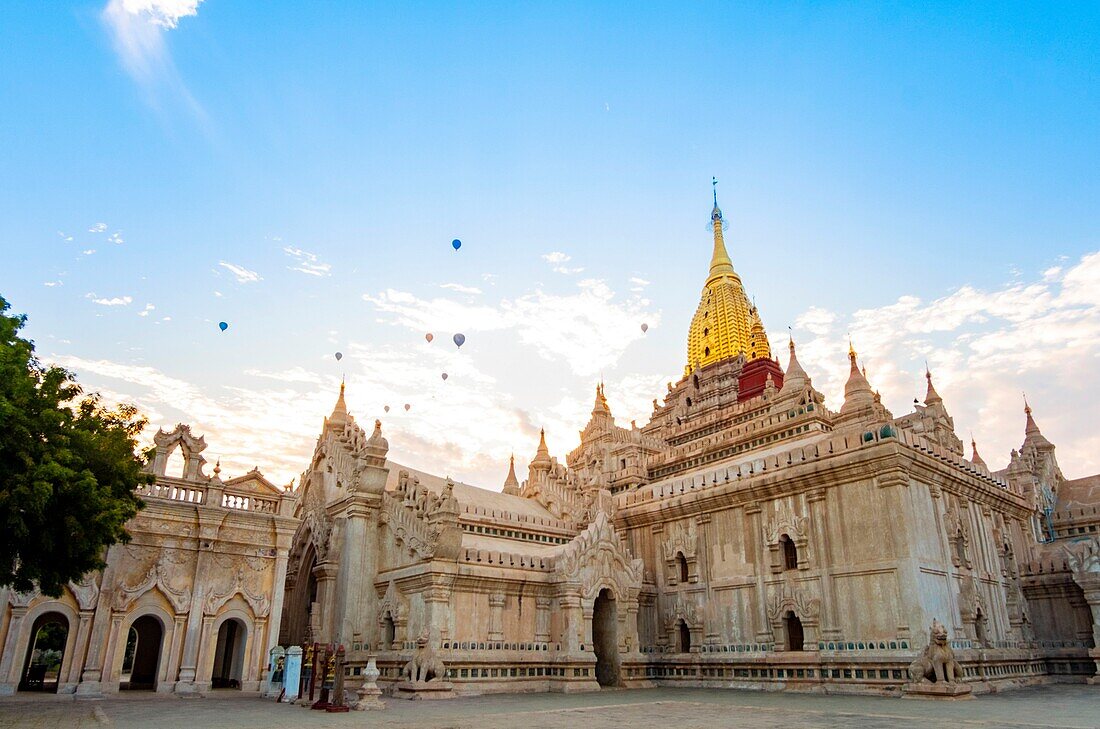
(425, 665)
(937, 662)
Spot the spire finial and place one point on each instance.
(1027, 408)
(714, 186)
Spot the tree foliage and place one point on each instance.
(68, 469)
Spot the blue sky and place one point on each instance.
(869, 157)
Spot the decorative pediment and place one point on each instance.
(1083, 557)
(682, 538)
(595, 559)
(394, 604)
(682, 608)
(799, 600)
(239, 585)
(157, 576)
(86, 591)
(786, 522)
(254, 482)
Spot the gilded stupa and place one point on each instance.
(726, 323)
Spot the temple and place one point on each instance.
(746, 536)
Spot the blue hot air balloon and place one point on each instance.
(456, 244)
(222, 325)
(460, 339)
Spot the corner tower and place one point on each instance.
(723, 326)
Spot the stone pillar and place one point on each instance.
(830, 626)
(755, 528)
(207, 644)
(80, 647)
(175, 651)
(90, 684)
(282, 552)
(570, 606)
(437, 614)
(496, 617)
(629, 633)
(11, 666)
(325, 573)
(542, 619)
(210, 520)
(587, 609)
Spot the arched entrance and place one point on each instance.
(605, 639)
(683, 634)
(42, 666)
(389, 632)
(142, 656)
(793, 629)
(229, 655)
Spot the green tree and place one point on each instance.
(68, 469)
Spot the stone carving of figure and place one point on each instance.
(937, 662)
(425, 665)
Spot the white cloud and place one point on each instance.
(557, 259)
(114, 301)
(587, 329)
(88, 251)
(51, 284)
(64, 236)
(459, 288)
(137, 29)
(983, 347)
(98, 228)
(146, 310)
(242, 274)
(116, 238)
(307, 262)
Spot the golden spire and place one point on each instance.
(721, 327)
(720, 263)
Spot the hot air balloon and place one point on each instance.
(429, 337)
(339, 356)
(456, 244)
(407, 407)
(645, 328)
(222, 325)
(460, 339)
(387, 408)
(444, 376)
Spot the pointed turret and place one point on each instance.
(976, 459)
(795, 379)
(1032, 435)
(931, 397)
(339, 416)
(600, 407)
(857, 391)
(758, 338)
(511, 483)
(542, 454)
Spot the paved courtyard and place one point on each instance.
(1048, 706)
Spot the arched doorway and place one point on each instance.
(42, 666)
(793, 628)
(683, 634)
(142, 656)
(229, 655)
(389, 632)
(790, 553)
(605, 639)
